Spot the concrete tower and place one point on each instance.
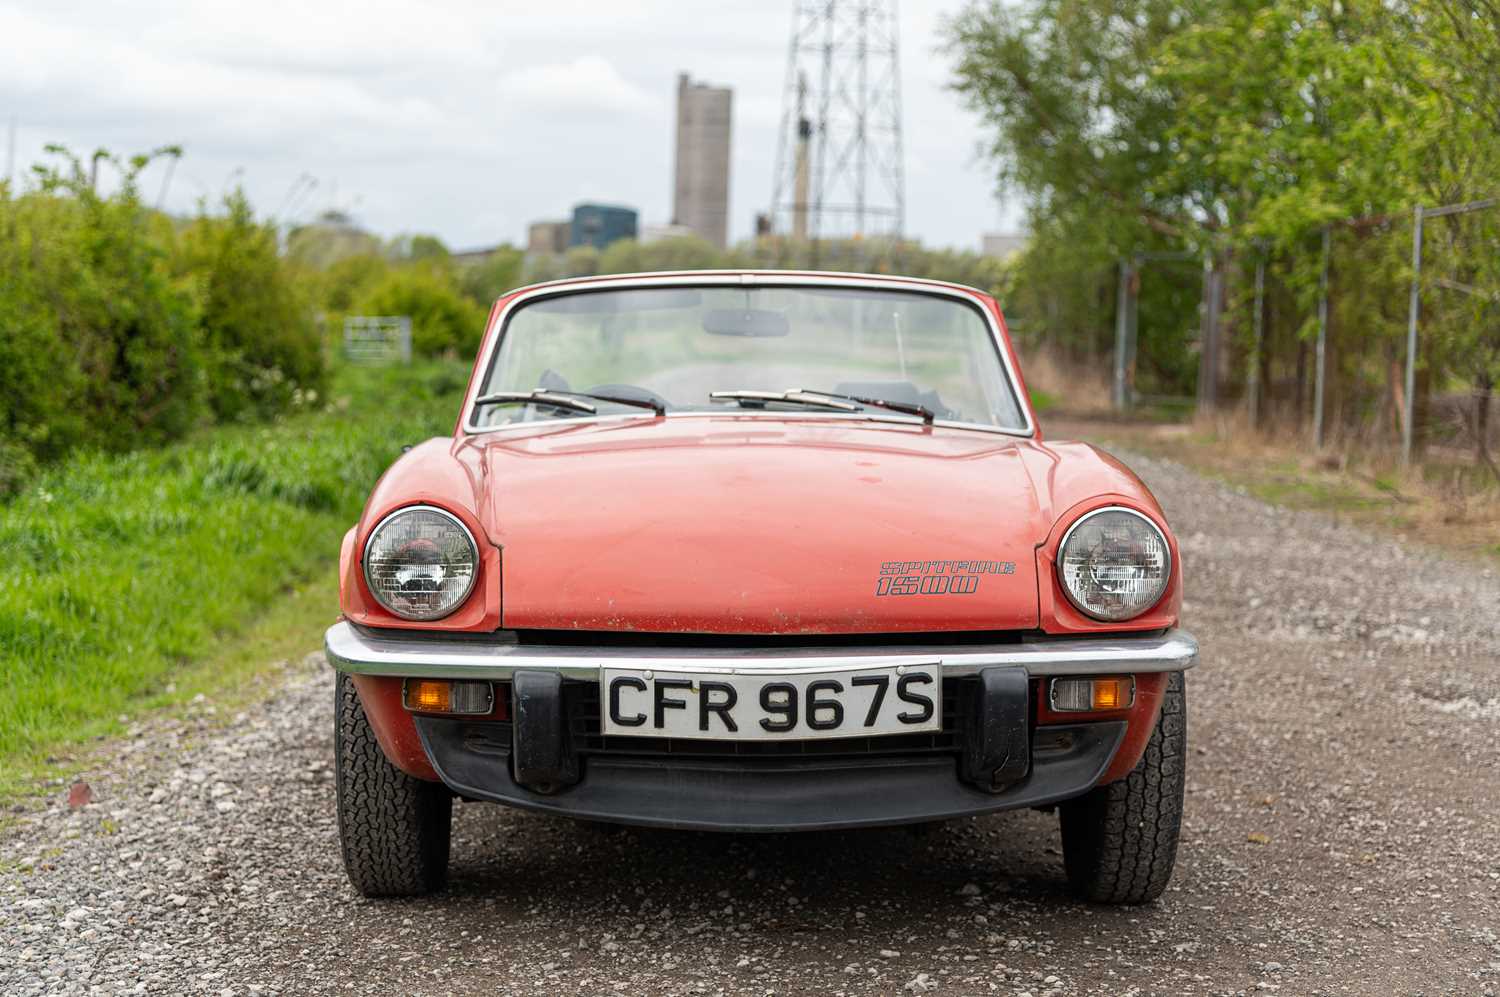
(700, 197)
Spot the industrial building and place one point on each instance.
(598, 225)
(700, 196)
(548, 237)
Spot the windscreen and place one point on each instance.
(678, 345)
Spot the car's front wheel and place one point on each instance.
(394, 829)
(1120, 840)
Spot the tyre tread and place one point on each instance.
(1120, 840)
(394, 830)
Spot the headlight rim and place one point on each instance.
(364, 562)
(1062, 547)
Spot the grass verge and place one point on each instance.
(138, 580)
(240, 669)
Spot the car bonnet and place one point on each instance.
(750, 525)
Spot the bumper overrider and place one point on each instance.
(542, 748)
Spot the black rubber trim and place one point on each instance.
(997, 734)
(544, 757)
(763, 794)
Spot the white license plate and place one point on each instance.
(653, 703)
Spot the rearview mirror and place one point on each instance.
(745, 322)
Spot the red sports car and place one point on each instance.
(758, 552)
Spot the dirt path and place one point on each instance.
(1343, 836)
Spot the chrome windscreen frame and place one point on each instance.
(913, 285)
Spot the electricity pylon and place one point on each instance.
(839, 167)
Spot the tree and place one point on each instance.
(1081, 128)
(261, 348)
(679, 253)
(101, 346)
(1453, 53)
(496, 274)
(443, 320)
(420, 249)
(1065, 89)
(1238, 129)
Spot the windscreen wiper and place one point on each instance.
(760, 398)
(909, 408)
(658, 407)
(565, 400)
(537, 397)
(823, 399)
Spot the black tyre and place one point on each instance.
(1120, 840)
(394, 829)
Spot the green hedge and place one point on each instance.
(99, 347)
(118, 331)
(443, 320)
(262, 350)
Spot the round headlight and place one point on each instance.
(421, 563)
(1114, 564)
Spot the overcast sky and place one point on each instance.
(467, 120)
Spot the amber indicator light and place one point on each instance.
(1092, 695)
(448, 696)
(1107, 694)
(428, 695)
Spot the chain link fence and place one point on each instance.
(1378, 332)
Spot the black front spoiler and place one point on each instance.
(798, 794)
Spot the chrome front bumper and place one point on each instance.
(362, 653)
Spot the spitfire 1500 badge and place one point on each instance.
(937, 577)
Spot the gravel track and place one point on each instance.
(1342, 836)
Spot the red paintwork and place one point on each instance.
(725, 524)
(720, 523)
(1076, 478)
(426, 474)
(1141, 717)
(394, 730)
(671, 526)
(396, 733)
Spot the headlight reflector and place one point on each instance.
(1114, 564)
(420, 563)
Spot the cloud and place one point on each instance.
(467, 119)
(589, 83)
